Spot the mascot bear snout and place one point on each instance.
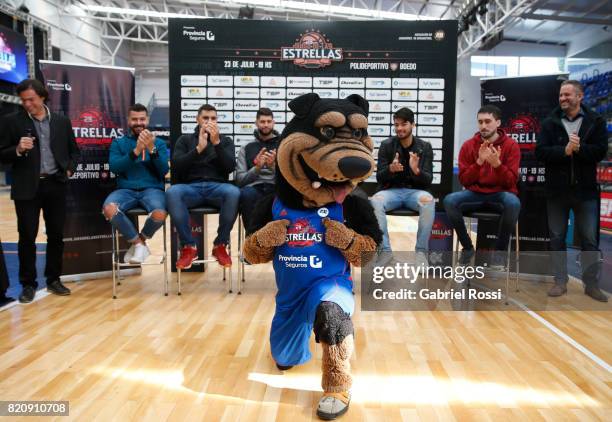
(354, 167)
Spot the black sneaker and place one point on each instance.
(465, 256)
(595, 293)
(27, 294)
(57, 288)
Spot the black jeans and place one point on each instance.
(51, 198)
(249, 195)
(586, 216)
(506, 203)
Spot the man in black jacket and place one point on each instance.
(403, 173)
(572, 141)
(201, 164)
(43, 152)
(256, 164)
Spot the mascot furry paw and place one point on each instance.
(313, 229)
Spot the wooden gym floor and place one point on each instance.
(205, 355)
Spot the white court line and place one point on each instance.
(568, 339)
(599, 361)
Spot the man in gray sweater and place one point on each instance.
(256, 164)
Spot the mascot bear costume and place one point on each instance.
(313, 230)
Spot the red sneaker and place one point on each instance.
(220, 253)
(188, 255)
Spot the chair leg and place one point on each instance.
(165, 259)
(206, 257)
(508, 267)
(241, 237)
(240, 269)
(205, 239)
(231, 281)
(240, 262)
(114, 262)
(517, 257)
(178, 280)
(118, 257)
(178, 270)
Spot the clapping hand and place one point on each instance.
(270, 157)
(396, 166)
(202, 139)
(494, 157)
(259, 161)
(213, 130)
(413, 162)
(573, 145)
(148, 139)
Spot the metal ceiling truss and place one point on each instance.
(482, 19)
(479, 20)
(150, 24)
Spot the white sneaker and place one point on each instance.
(129, 254)
(141, 253)
(421, 259)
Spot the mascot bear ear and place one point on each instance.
(301, 105)
(359, 101)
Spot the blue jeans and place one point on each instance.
(414, 199)
(224, 196)
(249, 195)
(150, 199)
(505, 203)
(586, 216)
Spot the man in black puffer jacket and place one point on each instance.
(256, 164)
(572, 141)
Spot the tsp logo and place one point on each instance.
(315, 262)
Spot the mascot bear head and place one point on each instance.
(325, 151)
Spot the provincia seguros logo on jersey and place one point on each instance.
(301, 261)
(312, 50)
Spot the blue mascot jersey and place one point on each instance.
(308, 272)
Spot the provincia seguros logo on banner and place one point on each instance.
(56, 86)
(495, 98)
(196, 34)
(312, 50)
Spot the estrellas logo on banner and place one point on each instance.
(312, 50)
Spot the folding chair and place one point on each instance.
(134, 213)
(495, 216)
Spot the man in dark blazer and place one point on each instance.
(43, 152)
(573, 140)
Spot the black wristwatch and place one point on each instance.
(154, 153)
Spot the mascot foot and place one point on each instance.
(333, 405)
(284, 368)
